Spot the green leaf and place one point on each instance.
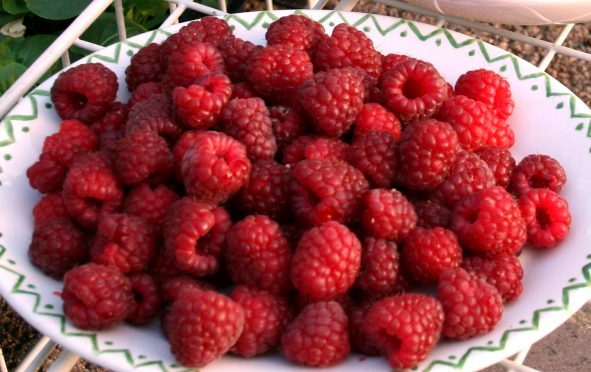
(104, 30)
(14, 6)
(57, 9)
(6, 17)
(32, 47)
(9, 73)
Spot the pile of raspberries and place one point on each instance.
(292, 197)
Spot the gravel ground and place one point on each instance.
(563, 350)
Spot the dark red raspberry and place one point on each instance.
(503, 271)
(332, 100)
(431, 212)
(469, 118)
(84, 92)
(326, 190)
(387, 214)
(413, 89)
(242, 90)
(426, 253)
(374, 117)
(146, 298)
(546, 216)
(265, 317)
(143, 157)
(318, 336)
(348, 47)
(50, 206)
(210, 29)
(472, 306)
(192, 62)
(258, 254)
(202, 326)
(144, 67)
(154, 114)
(172, 287)
(315, 148)
(379, 268)
(236, 53)
(404, 328)
(288, 124)
(500, 162)
(185, 142)
(96, 297)
(297, 31)
(537, 172)
(267, 190)
(149, 203)
(162, 267)
(73, 139)
(326, 262)
(111, 127)
(426, 152)
(391, 60)
(57, 246)
(489, 88)
(500, 135)
(489, 222)
(248, 121)
(46, 175)
(124, 242)
(214, 243)
(374, 153)
(91, 189)
(215, 167)
(143, 92)
(357, 335)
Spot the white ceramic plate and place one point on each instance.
(547, 119)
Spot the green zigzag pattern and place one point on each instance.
(7, 122)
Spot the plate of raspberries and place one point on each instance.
(278, 190)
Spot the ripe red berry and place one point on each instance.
(317, 148)
(48, 207)
(488, 87)
(111, 127)
(297, 31)
(288, 124)
(146, 298)
(149, 203)
(500, 162)
(431, 212)
(387, 214)
(154, 114)
(537, 172)
(192, 62)
(375, 117)
(172, 287)
(374, 153)
(500, 135)
(144, 67)
(503, 271)
(73, 139)
(143, 92)
(357, 336)
(143, 157)
(46, 175)
(391, 60)
(379, 268)
(236, 53)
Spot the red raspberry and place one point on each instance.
(202, 326)
(84, 92)
(469, 118)
(143, 157)
(154, 114)
(191, 63)
(185, 142)
(332, 99)
(172, 287)
(500, 135)
(258, 254)
(318, 336)
(267, 190)
(162, 267)
(503, 271)
(472, 306)
(374, 153)
(489, 222)
(248, 121)
(288, 124)
(111, 127)
(315, 148)
(210, 29)
(242, 90)
(404, 328)
(387, 214)
(546, 216)
(348, 47)
(413, 89)
(326, 190)
(265, 317)
(431, 212)
(487, 87)
(391, 60)
(379, 268)
(96, 297)
(124, 242)
(149, 203)
(199, 105)
(214, 243)
(374, 117)
(143, 92)
(357, 335)
(297, 31)
(73, 139)
(146, 298)
(326, 262)
(426, 253)
(144, 67)
(426, 152)
(50, 206)
(46, 175)
(236, 53)
(500, 162)
(57, 246)
(537, 172)
(215, 167)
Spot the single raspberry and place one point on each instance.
(357, 335)
(149, 203)
(489, 88)
(215, 167)
(413, 90)
(144, 67)
(374, 117)
(57, 246)
(50, 206)
(472, 306)
(111, 127)
(248, 121)
(426, 152)
(172, 287)
(297, 31)
(73, 139)
(146, 298)
(379, 268)
(332, 100)
(318, 336)
(242, 90)
(84, 92)
(288, 124)
(546, 216)
(46, 175)
(213, 30)
(265, 317)
(267, 190)
(236, 53)
(96, 297)
(503, 271)
(326, 190)
(391, 60)
(192, 62)
(258, 254)
(144, 91)
(500, 135)
(143, 157)
(326, 262)
(154, 114)
(348, 47)
(202, 326)
(404, 328)
(431, 212)
(537, 172)
(500, 162)
(374, 153)
(315, 148)
(387, 214)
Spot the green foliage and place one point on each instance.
(14, 6)
(56, 9)
(9, 73)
